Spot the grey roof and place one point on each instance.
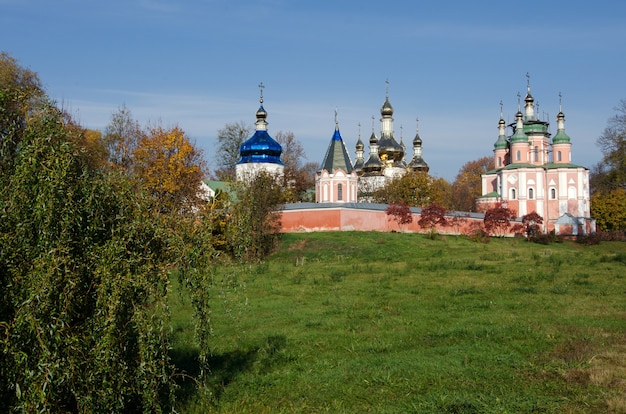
(337, 156)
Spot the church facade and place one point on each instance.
(534, 173)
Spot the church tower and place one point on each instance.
(417, 162)
(260, 152)
(336, 181)
(390, 152)
(561, 143)
(371, 176)
(359, 161)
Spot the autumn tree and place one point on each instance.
(170, 167)
(531, 223)
(467, 185)
(229, 140)
(608, 177)
(608, 208)
(498, 219)
(306, 179)
(95, 150)
(432, 216)
(400, 213)
(121, 138)
(414, 188)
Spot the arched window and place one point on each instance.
(536, 154)
(518, 156)
(558, 155)
(499, 161)
(513, 194)
(339, 192)
(553, 193)
(531, 193)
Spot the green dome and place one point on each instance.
(561, 137)
(501, 142)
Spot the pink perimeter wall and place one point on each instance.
(309, 217)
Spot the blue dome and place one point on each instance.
(260, 148)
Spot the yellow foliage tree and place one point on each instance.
(609, 209)
(416, 189)
(170, 167)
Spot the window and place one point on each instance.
(531, 193)
(518, 156)
(499, 161)
(552, 193)
(558, 155)
(513, 194)
(339, 192)
(536, 154)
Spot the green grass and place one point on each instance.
(391, 322)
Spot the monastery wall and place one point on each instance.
(309, 217)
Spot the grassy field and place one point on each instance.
(394, 323)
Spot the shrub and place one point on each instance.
(400, 212)
(498, 219)
(531, 224)
(432, 216)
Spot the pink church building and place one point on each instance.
(535, 173)
(336, 181)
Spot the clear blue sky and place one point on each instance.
(197, 64)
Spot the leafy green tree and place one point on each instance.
(254, 224)
(229, 140)
(85, 262)
(21, 93)
(83, 281)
